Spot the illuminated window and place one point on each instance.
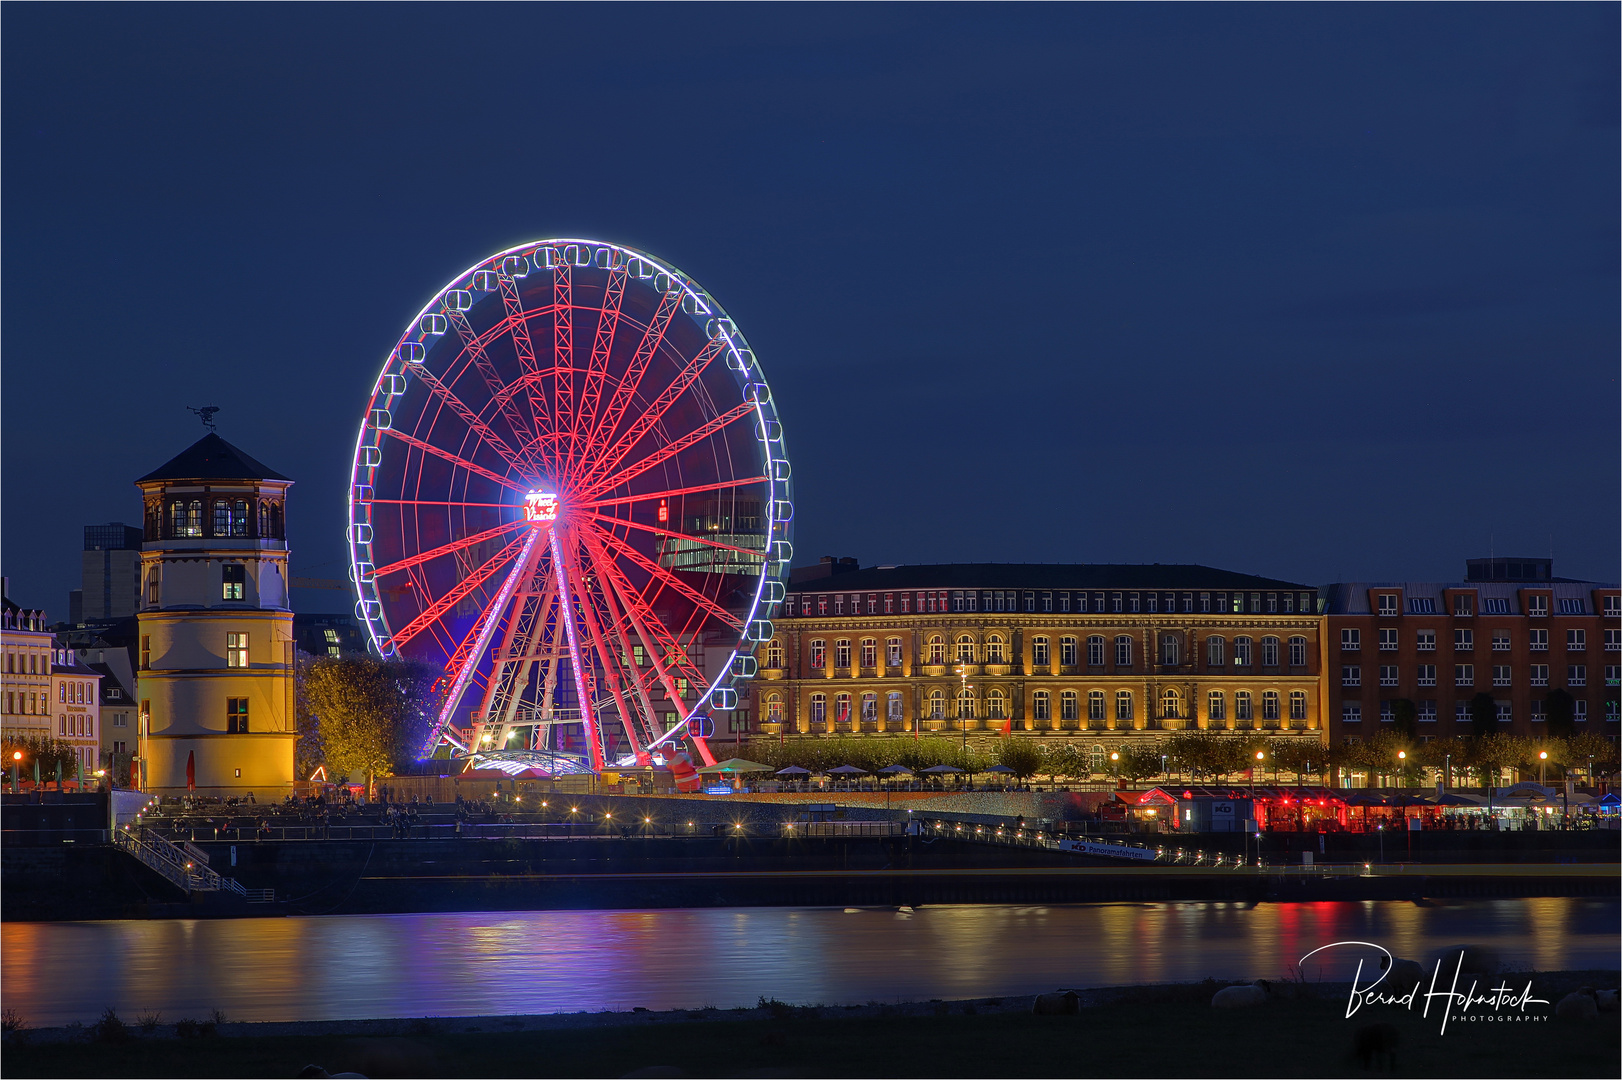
(774, 709)
(841, 708)
(994, 650)
(870, 653)
(774, 654)
(870, 708)
(1171, 705)
(937, 650)
(1241, 651)
(965, 704)
(995, 708)
(892, 649)
(1123, 705)
(819, 708)
(893, 707)
(937, 705)
(842, 653)
(819, 654)
(965, 649)
(236, 650)
(233, 577)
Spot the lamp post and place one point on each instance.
(1402, 757)
(16, 771)
(1447, 771)
(1543, 759)
(962, 698)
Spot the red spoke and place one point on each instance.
(468, 417)
(584, 691)
(678, 535)
(597, 370)
(669, 494)
(505, 659)
(610, 669)
(518, 326)
(446, 549)
(429, 502)
(473, 345)
(665, 453)
(627, 386)
(670, 579)
(477, 470)
(454, 597)
(655, 412)
(563, 356)
(661, 646)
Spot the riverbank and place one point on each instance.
(1118, 1031)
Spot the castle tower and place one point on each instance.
(215, 655)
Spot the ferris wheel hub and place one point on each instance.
(540, 506)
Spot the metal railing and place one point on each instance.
(172, 861)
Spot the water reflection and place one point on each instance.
(563, 961)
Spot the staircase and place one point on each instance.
(184, 872)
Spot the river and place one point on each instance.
(481, 963)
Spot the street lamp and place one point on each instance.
(962, 697)
(1402, 756)
(1543, 757)
(16, 771)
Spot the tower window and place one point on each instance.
(236, 716)
(236, 650)
(234, 576)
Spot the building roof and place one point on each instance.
(1352, 597)
(211, 458)
(1040, 576)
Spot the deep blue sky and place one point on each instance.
(1319, 292)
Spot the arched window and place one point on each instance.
(264, 518)
(1216, 707)
(1170, 650)
(937, 650)
(1171, 705)
(1041, 654)
(1298, 652)
(819, 708)
(1095, 705)
(774, 654)
(1095, 651)
(1213, 651)
(994, 652)
(239, 518)
(774, 709)
(994, 704)
(222, 517)
(842, 708)
(870, 653)
(1042, 705)
(937, 705)
(1269, 704)
(194, 518)
(965, 649)
(965, 704)
(177, 518)
(1269, 652)
(276, 521)
(1098, 759)
(1298, 704)
(1067, 705)
(1241, 705)
(870, 708)
(894, 710)
(819, 653)
(152, 589)
(1067, 652)
(1123, 651)
(842, 653)
(1123, 704)
(892, 652)
(1241, 651)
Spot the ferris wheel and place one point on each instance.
(570, 493)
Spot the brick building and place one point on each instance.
(1040, 649)
(1510, 629)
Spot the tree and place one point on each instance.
(1299, 756)
(1559, 714)
(1021, 755)
(1405, 719)
(372, 715)
(1483, 715)
(1137, 762)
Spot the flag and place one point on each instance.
(191, 770)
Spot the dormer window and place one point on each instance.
(1388, 603)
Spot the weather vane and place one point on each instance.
(205, 414)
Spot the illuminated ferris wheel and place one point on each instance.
(570, 493)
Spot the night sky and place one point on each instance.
(1316, 292)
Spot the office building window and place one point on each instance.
(1504, 711)
(1170, 650)
(994, 650)
(1351, 675)
(1427, 712)
(1388, 603)
(965, 704)
(1425, 640)
(1464, 640)
(1269, 704)
(1388, 641)
(1500, 674)
(1388, 674)
(1351, 712)
(1427, 675)
(1463, 605)
(1214, 651)
(236, 716)
(234, 576)
(1205, 603)
(1613, 641)
(1538, 640)
(965, 649)
(1576, 640)
(1538, 674)
(870, 708)
(1171, 705)
(1537, 606)
(1464, 674)
(1388, 712)
(1351, 638)
(1579, 711)
(1577, 675)
(893, 708)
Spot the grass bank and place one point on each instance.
(1165, 1031)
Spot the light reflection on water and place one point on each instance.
(358, 966)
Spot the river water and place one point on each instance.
(360, 966)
